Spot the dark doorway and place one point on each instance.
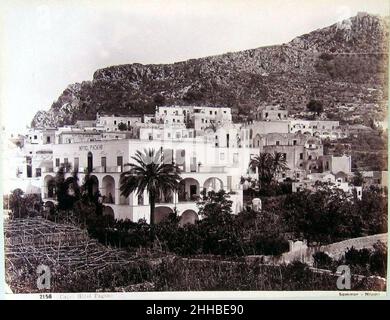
(193, 191)
(90, 162)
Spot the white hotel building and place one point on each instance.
(202, 167)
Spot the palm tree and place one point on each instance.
(279, 163)
(151, 174)
(268, 165)
(263, 163)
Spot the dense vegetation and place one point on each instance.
(363, 261)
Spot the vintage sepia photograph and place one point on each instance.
(212, 148)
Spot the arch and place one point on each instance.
(189, 190)
(161, 213)
(257, 140)
(108, 189)
(108, 211)
(49, 187)
(93, 186)
(213, 184)
(188, 217)
(307, 133)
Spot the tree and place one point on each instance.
(269, 166)
(151, 174)
(357, 179)
(279, 164)
(22, 205)
(159, 99)
(122, 126)
(324, 216)
(263, 163)
(67, 190)
(215, 206)
(315, 106)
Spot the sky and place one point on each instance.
(47, 45)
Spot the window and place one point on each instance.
(266, 114)
(47, 139)
(301, 156)
(294, 142)
(229, 182)
(76, 164)
(310, 157)
(202, 120)
(277, 143)
(103, 162)
(35, 137)
(38, 172)
(119, 161)
(114, 121)
(140, 199)
(211, 112)
(57, 162)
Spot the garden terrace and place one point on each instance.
(65, 249)
(39, 231)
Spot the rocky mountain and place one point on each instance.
(345, 63)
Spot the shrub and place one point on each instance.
(322, 260)
(378, 260)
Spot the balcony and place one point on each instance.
(104, 169)
(211, 169)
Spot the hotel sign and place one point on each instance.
(91, 147)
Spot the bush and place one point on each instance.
(378, 260)
(265, 245)
(322, 260)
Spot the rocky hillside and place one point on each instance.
(341, 64)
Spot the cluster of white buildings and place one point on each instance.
(212, 152)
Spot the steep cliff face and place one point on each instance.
(343, 63)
